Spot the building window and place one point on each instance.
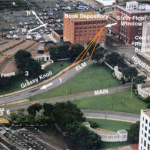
(149, 138)
(149, 131)
(80, 31)
(145, 135)
(145, 128)
(146, 121)
(142, 125)
(144, 143)
(85, 28)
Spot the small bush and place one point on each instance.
(113, 74)
(123, 80)
(93, 124)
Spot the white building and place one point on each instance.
(106, 2)
(144, 135)
(146, 37)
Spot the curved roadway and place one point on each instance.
(34, 91)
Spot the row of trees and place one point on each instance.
(63, 51)
(64, 116)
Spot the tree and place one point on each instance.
(66, 113)
(26, 63)
(75, 51)
(81, 138)
(97, 56)
(139, 79)
(21, 54)
(63, 51)
(92, 46)
(33, 109)
(53, 51)
(13, 116)
(148, 106)
(48, 109)
(130, 72)
(147, 100)
(112, 58)
(133, 133)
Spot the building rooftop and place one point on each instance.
(142, 8)
(147, 112)
(59, 32)
(83, 16)
(106, 2)
(61, 43)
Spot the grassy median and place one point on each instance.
(115, 102)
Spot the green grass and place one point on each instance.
(94, 77)
(110, 124)
(106, 145)
(106, 102)
(55, 68)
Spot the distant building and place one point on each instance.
(129, 24)
(81, 30)
(146, 37)
(56, 44)
(107, 2)
(58, 35)
(144, 135)
(112, 18)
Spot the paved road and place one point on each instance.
(111, 115)
(56, 82)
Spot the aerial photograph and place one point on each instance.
(74, 74)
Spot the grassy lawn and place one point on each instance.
(113, 102)
(94, 77)
(106, 145)
(110, 124)
(55, 68)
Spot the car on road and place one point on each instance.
(142, 70)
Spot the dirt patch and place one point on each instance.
(9, 44)
(10, 67)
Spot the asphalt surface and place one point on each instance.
(111, 115)
(34, 91)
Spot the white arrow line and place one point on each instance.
(45, 86)
(37, 27)
(109, 25)
(38, 18)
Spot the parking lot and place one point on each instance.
(49, 13)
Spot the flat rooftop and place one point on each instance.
(136, 11)
(147, 112)
(82, 16)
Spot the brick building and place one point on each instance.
(81, 30)
(130, 20)
(112, 18)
